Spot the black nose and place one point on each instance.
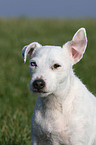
(38, 84)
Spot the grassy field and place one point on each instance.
(16, 101)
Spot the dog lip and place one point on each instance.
(39, 91)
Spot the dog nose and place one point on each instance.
(38, 84)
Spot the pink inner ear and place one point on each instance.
(75, 54)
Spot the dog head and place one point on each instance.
(51, 66)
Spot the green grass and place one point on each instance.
(16, 101)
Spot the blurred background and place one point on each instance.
(51, 22)
(48, 8)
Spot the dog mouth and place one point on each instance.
(39, 91)
(35, 90)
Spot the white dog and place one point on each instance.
(65, 111)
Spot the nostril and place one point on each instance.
(38, 84)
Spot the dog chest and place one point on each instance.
(50, 125)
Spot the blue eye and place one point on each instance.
(33, 64)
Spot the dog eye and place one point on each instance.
(55, 66)
(33, 64)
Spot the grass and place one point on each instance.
(16, 101)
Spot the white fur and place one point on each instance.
(66, 113)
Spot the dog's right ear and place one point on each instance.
(30, 49)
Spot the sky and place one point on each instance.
(48, 8)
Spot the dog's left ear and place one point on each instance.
(30, 49)
(77, 45)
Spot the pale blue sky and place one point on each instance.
(48, 8)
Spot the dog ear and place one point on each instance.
(30, 49)
(77, 45)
